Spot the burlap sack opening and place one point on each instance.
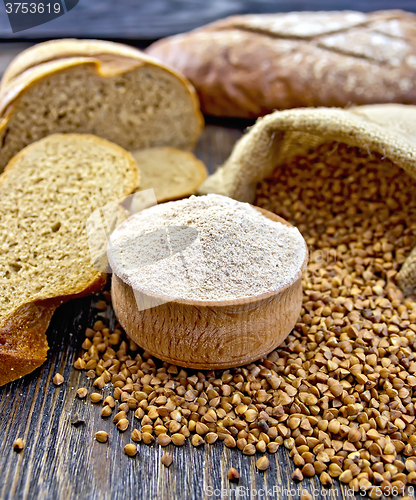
(387, 129)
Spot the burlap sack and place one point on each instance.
(388, 129)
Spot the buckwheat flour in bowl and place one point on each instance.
(207, 281)
(234, 251)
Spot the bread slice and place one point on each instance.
(103, 88)
(172, 173)
(47, 193)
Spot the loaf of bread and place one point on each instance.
(247, 66)
(47, 193)
(113, 91)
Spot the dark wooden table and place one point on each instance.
(152, 19)
(62, 462)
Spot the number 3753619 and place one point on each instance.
(32, 8)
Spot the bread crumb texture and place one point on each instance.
(170, 172)
(47, 193)
(145, 107)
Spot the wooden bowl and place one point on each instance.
(210, 334)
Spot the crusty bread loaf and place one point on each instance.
(172, 173)
(103, 88)
(247, 66)
(47, 193)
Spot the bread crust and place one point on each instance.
(23, 343)
(248, 66)
(54, 50)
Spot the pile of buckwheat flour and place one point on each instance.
(205, 248)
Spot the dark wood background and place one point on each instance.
(152, 19)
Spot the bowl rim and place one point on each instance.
(250, 299)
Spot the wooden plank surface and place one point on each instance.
(149, 20)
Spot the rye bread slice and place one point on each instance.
(171, 172)
(111, 90)
(47, 193)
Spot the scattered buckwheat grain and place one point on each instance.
(166, 459)
(96, 397)
(18, 445)
(305, 495)
(82, 392)
(130, 450)
(101, 436)
(58, 379)
(262, 463)
(233, 474)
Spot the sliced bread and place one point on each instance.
(47, 193)
(172, 173)
(103, 88)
